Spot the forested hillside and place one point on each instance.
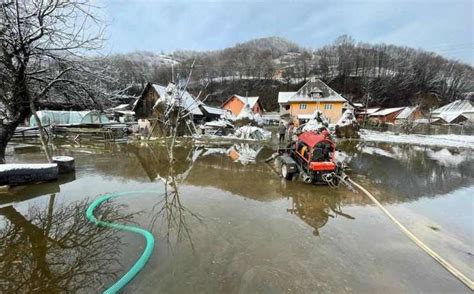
(387, 75)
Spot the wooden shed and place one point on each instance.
(386, 115)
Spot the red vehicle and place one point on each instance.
(311, 158)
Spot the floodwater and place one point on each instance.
(224, 222)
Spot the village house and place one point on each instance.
(144, 106)
(386, 115)
(459, 111)
(314, 95)
(236, 103)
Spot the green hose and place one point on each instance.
(150, 241)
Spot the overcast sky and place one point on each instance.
(445, 27)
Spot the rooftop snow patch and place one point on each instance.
(187, 101)
(370, 110)
(251, 101)
(386, 111)
(327, 94)
(283, 97)
(407, 112)
(455, 109)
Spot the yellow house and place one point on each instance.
(314, 95)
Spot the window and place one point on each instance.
(327, 106)
(303, 106)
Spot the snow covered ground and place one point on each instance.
(460, 141)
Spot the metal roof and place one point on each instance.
(455, 109)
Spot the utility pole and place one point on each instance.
(172, 73)
(366, 108)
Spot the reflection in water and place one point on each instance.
(410, 171)
(56, 250)
(315, 210)
(171, 170)
(244, 153)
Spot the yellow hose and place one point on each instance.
(417, 241)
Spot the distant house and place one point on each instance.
(459, 111)
(283, 98)
(386, 115)
(144, 106)
(410, 113)
(364, 113)
(236, 103)
(314, 95)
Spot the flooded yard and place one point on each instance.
(225, 222)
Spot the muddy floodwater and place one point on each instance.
(225, 222)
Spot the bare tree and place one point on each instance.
(41, 44)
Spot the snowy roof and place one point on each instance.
(121, 107)
(251, 101)
(454, 109)
(386, 111)
(358, 105)
(305, 116)
(214, 110)
(283, 97)
(407, 112)
(188, 102)
(304, 94)
(370, 110)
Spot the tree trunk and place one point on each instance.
(42, 132)
(6, 133)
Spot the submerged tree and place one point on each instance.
(41, 44)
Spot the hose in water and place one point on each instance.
(417, 241)
(150, 241)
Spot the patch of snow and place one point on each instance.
(377, 151)
(210, 151)
(244, 153)
(347, 119)
(30, 166)
(63, 158)
(250, 132)
(342, 157)
(446, 158)
(316, 122)
(218, 123)
(459, 141)
(246, 112)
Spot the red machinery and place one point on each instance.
(312, 158)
